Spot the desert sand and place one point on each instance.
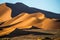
(25, 21)
(5, 13)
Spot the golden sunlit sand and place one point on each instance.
(38, 15)
(19, 18)
(50, 24)
(5, 13)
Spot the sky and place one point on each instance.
(49, 5)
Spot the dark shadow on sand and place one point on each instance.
(19, 32)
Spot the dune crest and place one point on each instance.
(19, 18)
(38, 15)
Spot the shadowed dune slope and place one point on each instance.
(17, 8)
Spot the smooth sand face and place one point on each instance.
(50, 24)
(2, 6)
(39, 15)
(23, 25)
(25, 16)
(25, 20)
(46, 23)
(19, 18)
(5, 13)
(27, 23)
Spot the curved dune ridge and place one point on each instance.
(16, 19)
(25, 20)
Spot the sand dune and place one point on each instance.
(5, 13)
(41, 21)
(48, 24)
(38, 15)
(7, 31)
(19, 18)
(25, 20)
(26, 24)
(23, 17)
(21, 25)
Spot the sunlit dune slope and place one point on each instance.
(48, 24)
(5, 13)
(21, 17)
(21, 25)
(26, 24)
(41, 21)
(38, 15)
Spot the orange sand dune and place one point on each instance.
(38, 15)
(5, 13)
(25, 20)
(22, 17)
(48, 24)
(21, 25)
(19, 18)
(7, 31)
(41, 21)
(26, 24)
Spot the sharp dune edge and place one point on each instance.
(25, 20)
